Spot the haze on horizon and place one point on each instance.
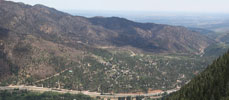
(198, 6)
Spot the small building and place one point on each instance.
(70, 71)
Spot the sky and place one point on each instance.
(207, 6)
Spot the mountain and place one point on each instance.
(42, 46)
(153, 37)
(52, 24)
(209, 33)
(211, 84)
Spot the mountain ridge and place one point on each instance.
(113, 31)
(96, 54)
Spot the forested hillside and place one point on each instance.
(211, 84)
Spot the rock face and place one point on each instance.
(37, 42)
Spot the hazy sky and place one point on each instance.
(221, 6)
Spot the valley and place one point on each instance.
(43, 50)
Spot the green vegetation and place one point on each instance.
(216, 49)
(102, 70)
(60, 50)
(26, 95)
(119, 71)
(211, 84)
